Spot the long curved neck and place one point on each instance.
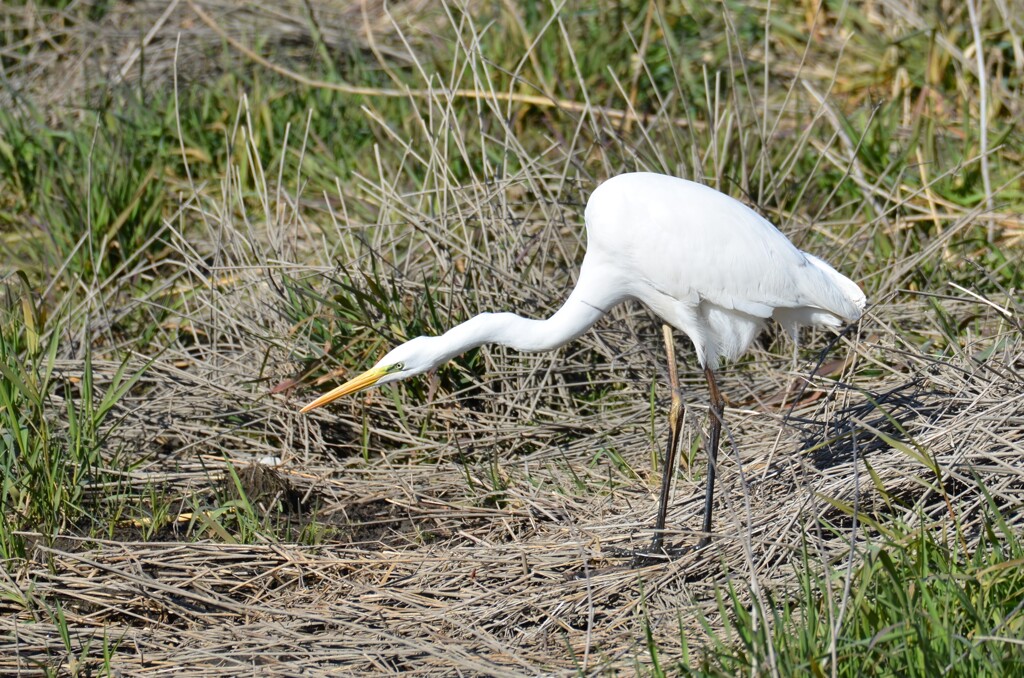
(592, 297)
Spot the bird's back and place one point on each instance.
(708, 264)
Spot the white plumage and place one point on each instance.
(708, 265)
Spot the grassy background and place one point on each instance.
(210, 211)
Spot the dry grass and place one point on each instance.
(468, 523)
(426, 571)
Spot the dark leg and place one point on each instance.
(675, 419)
(657, 550)
(717, 408)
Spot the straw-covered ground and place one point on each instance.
(211, 211)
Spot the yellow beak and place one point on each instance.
(364, 380)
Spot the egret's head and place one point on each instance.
(411, 358)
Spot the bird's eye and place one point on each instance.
(397, 367)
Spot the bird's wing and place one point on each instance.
(694, 244)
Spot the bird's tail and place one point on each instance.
(844, 297)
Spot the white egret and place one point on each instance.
(709, 266)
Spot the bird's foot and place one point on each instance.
(657, 553)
